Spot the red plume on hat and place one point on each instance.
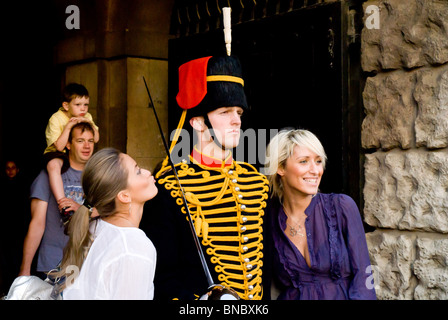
(192, 83)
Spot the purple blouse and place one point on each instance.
(340, 264)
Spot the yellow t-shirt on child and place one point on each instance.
(56, 125)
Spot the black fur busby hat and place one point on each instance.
(221, 93)
(206, 84)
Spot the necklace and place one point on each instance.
(294, 231)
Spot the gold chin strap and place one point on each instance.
(180, 125)
(225, 78)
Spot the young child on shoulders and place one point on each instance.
(75, 106)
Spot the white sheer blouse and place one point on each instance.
(120, 265)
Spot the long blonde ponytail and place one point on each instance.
(103, 178)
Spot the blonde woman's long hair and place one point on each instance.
(103, 178)
(281, 147)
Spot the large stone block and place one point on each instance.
(144, 141)
(391, 256)
(407, 190)
(412, 33)
(431, 95)
(409, 265)
(406, 109)
(431, 269)
(390, 111)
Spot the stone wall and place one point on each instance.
(117, 44)
(405, 138)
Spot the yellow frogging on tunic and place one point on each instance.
(227, 205)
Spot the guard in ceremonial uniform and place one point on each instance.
(226, 198)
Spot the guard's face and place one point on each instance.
(226, 123)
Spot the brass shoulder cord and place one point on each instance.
(227, 206)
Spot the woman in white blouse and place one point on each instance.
(110, 257)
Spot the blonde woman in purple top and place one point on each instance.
(319, 249)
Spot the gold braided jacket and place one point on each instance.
(227, 206)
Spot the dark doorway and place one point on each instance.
(28, 90)
(297, 73)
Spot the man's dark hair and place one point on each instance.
(84, 126)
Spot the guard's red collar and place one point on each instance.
(208, 161)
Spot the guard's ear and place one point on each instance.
(124, 196)
(197, 123)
